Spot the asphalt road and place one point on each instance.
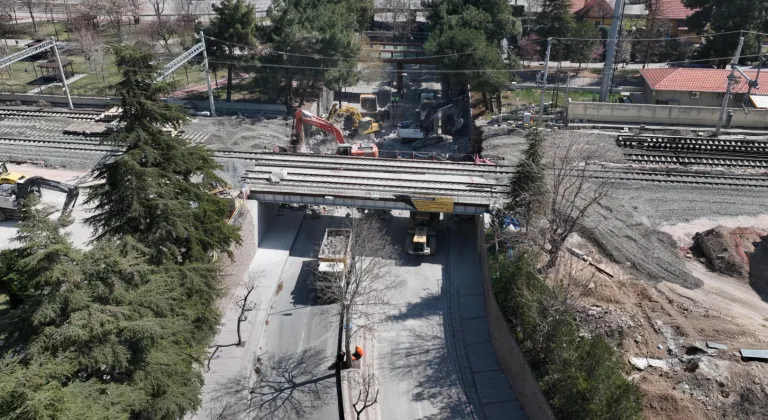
(415, 365)
(299, 344)
(413, 362)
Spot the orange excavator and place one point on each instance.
(345, 149)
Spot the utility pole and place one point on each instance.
(63, 75)
(731, 78)
(207, 76)
(613, 35)
(544, 78)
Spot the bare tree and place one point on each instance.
(363, 294)
(31, 4)
(656, 26)
(576, 184)
(116, 10)
(7, 8)
(289, 386)
(186, 12)
(367, 393)
(87, 12)
(161, 30)
(243, 304)
(400, 17)
(158, 6)
(134, 6)
(94, 47)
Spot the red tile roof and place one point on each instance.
(671, 9)
(697, 80)
(595, 9)
(674, 9)
(577, 5)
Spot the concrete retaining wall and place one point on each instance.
(663, 114)
(264, 213)
(228, 108)
(510, 356)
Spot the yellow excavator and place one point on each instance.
(364, 125)
(15, 187)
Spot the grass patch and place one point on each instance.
(533, 96)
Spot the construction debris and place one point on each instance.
(750, 354)
(718, 346)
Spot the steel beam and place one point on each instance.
(6, 61)
(180, 60)
(356, 203)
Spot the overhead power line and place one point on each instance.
(318, 56)
(287, 66)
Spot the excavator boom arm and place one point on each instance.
(71, 191)
(303, 117)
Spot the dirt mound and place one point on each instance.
(240, 133)
(730, 250)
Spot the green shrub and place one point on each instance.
(581, 377)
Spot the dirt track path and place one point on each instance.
(732, 298)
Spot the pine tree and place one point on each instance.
(41, 277)
(148, 192)
(527, 186)
(234, 28)
(555, 21)
(719, 16)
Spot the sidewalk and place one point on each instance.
(227, 377)
(488, 390)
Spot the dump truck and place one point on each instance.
(422, 233)
(333, 261)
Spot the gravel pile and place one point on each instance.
(625, 227)
(53, 158)
(509, 143)
(624, 238)
(240, 133)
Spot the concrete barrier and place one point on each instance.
(664, 114)
(224, 108)
(247, 109)
(511, 358)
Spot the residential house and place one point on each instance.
(601, 12)
(696, 87)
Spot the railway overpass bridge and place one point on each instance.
(373, 183)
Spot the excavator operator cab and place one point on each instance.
(365, 124)
(420, 241)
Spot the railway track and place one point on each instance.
(684, 159)
(664, 177)
(74, 115)
(694, 144)
(631, 175)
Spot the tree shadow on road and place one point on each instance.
(291, 386)
(285, 387)
(430, 304)
(423, 354)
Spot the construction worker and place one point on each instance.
(358, 354)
